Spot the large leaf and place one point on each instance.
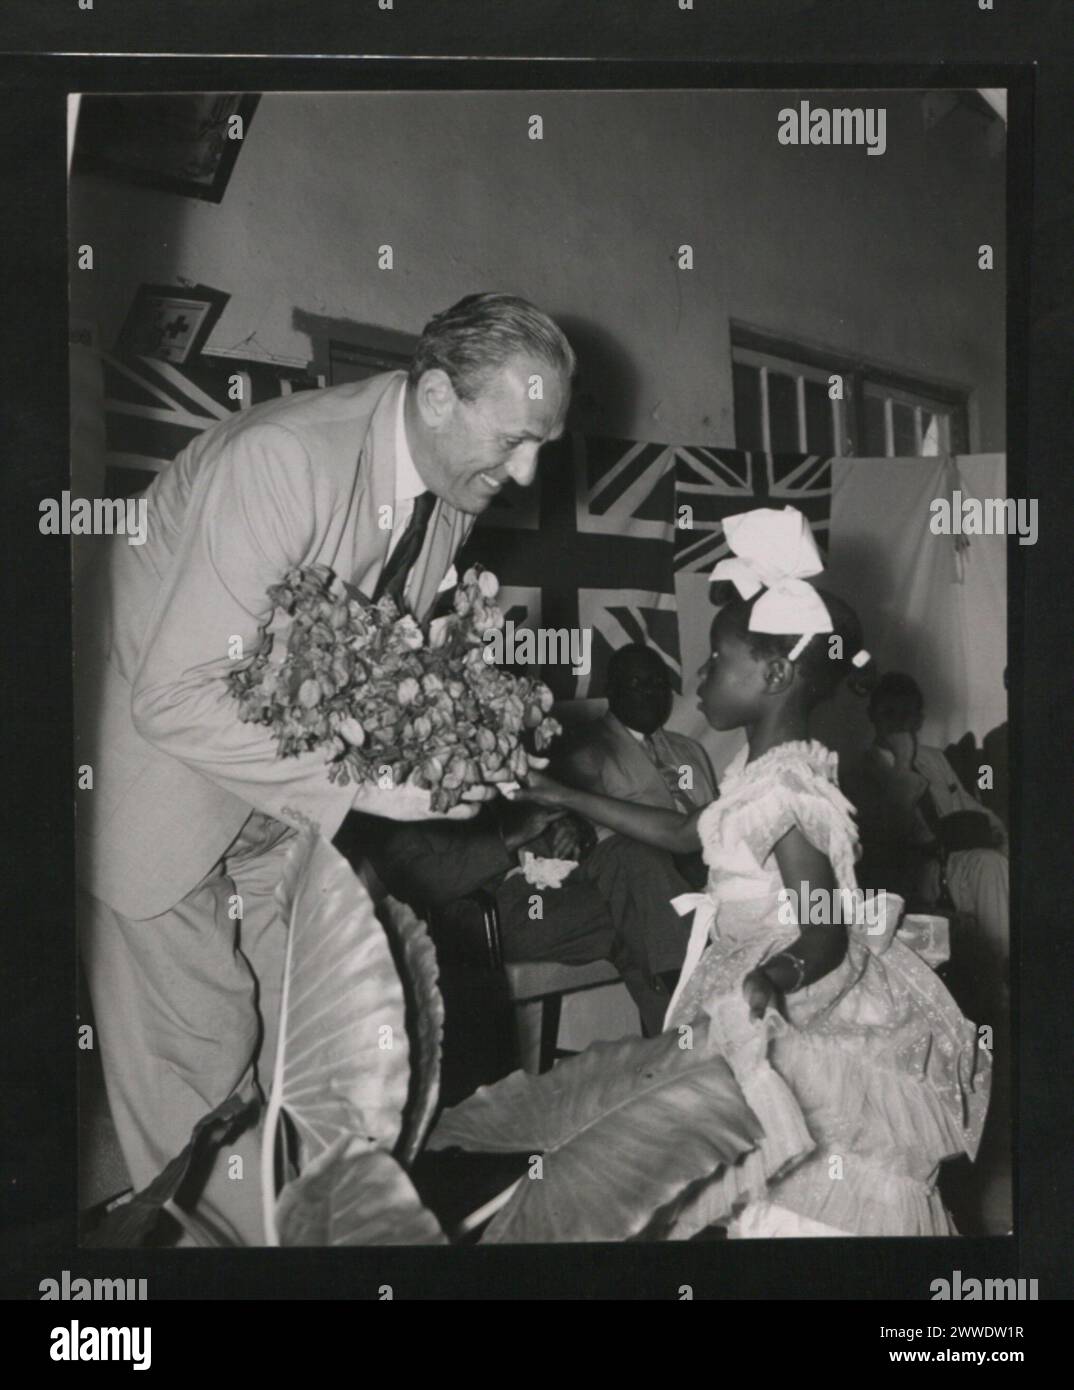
(342, 1057)
(354, 1195)
(135, 1221)
(424, 1020)
(624, 1128)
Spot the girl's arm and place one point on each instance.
(675, 831)
(818, 949)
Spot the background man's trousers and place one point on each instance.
(187, 1008)
(638, 882)
(615, 906)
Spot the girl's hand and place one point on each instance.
(541, 789)
(759, 992)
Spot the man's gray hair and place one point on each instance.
(480, 334)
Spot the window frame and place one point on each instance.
(752, 347)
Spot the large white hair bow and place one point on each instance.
(774, 550)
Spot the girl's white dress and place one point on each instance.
(873, 1077)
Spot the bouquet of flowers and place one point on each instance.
(362, 681)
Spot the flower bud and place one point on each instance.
(407, 691)
(309, 693)
(409, 633)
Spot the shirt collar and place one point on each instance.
(637, 737)
(408, 483)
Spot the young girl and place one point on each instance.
(855, 1059)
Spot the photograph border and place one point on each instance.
(879, 1268)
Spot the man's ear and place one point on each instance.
(779, 675)
(435, 397)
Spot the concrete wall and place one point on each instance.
(870, 256)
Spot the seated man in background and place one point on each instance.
(922, 831)
(434, 864)
(629, 754)
(994, 753)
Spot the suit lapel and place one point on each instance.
(376, 462)
(448, 528)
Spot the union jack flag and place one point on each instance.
(153, 409)
(595, 543)
(589, 545)
(711, 484)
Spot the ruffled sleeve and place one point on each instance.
(797, 789)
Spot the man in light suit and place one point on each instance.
(630, 755)
(182, 836)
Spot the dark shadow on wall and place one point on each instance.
(346, 350)
(605, 387)
(606, 383)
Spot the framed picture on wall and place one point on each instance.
(170, 322)
(183, 143)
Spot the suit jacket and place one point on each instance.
(297, 481)
(604, 756)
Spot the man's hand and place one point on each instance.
(903, 744)
(566, 837)
(414, 803)
(896, 724)
(533, 823)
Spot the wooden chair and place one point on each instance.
(536, 989)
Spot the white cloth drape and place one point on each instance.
(924, 612)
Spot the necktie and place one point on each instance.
(393, 576)
(929, 813)
(670, 776)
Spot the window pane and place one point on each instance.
(873, 445)
(903, 430)
(818, 414)
(783, 413)
(747, 384)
